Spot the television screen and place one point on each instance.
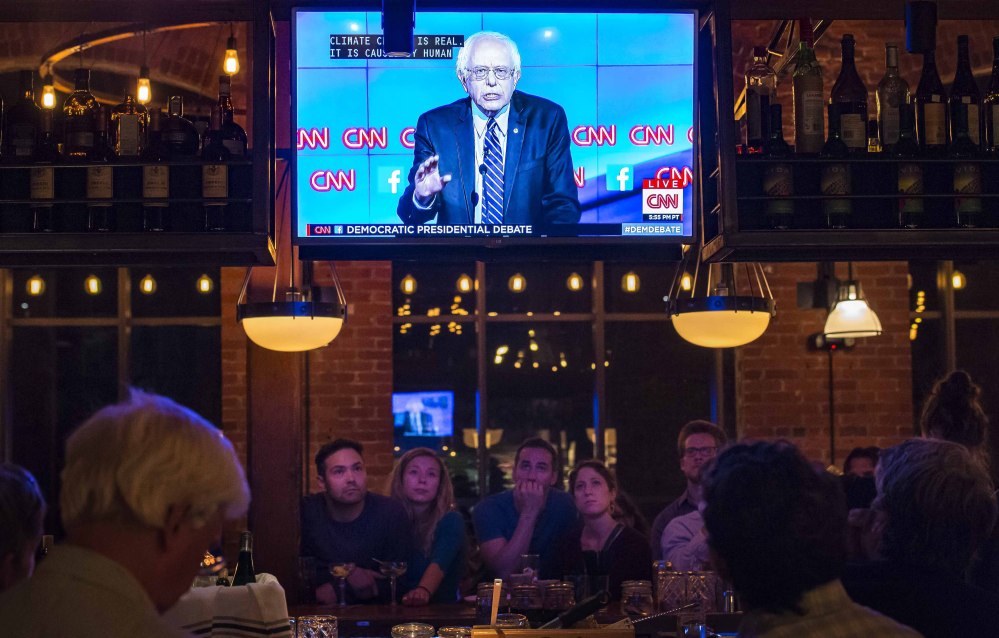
(423, 414)
(587, 140)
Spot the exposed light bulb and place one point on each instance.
(231, 63)
(686, 282)
(574, 282)
(35, 286)
(143, 90)
(205, 284)
(147, 285)
(517, 283)
(630, 282)
(958, 280)
(92, 285)
(48, 93)
(408, 285)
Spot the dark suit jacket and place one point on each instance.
(539, 188)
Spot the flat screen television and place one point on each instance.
(423, 414)
(595, 145)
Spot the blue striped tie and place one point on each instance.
(492, 180)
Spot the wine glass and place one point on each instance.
(340, 572)
(393, 569)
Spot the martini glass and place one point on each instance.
(393, 569)
(340, 572)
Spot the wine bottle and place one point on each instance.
(233, 135)
(806, 85)
(891, 96)
(873, 137)
(835, 175)
(215, 174)
(177, 132)
(931, 109)
(128, 128)
(22, 123)
(80, 111)
(244, 564)
(761, 91)
(991, 103)
(967, 174)
(100, 179)
(155, 178)
(910, 172)
(964, 94)
(42, 178)
(778, 177)
(850, 94)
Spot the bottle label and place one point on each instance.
(23, 139)
(80, 139)
(835, 180)
(809, 129)
(214, 181)
(235, 147)
(974, 127)
(155, 183)
(174, 136)
(778, 184)
(853, 129)
(889, 125)
(754, 117)
(968, 180)
(100, 182)
(910, 182)
(128, 135)
(42, 182)
(935, 119)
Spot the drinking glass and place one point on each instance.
(393, 569)
(340, 572)
(317, 627)
(529, 564)
(512, 621)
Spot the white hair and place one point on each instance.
(465, 52)
(132, 461)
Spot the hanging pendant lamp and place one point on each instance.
(727, 305)
(851, 317)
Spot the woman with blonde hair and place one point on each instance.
(420, 481)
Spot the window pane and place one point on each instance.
(924, 286)
(974, 337)
(981, 283)
(541, 384)
(60, 377)
(65, 292)
(175, 292)
(180, 362)
(433, 286)
(656, 382)
(543, 288)
(927, 361)
(633, 287)
(436, 365)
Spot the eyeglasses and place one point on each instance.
(482, 72)
(702, 451)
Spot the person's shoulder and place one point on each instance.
(312, 503)
(447, 111)
(451, 521)
(496, 502)
(527, 101)
(382, 503)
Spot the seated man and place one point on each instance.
(777, 531)
(145, 489)
(347, 524)
(697, 444)
(685, 543)
(935, 508)
(22, 510)
(530, 518)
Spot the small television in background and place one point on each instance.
(423, 414)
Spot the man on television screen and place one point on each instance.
(499, 156)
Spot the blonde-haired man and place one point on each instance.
(146, 487)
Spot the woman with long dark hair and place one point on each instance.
(420, 481)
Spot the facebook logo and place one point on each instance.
(390, 180)
(619, 178)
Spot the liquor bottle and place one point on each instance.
(233, 135)
(155, 178)
(177, 132)
(100, 179)
(910, 173)
(215, 174)
(873, 137)
(967, 174)
(964, 94)
(778, 177)
(891, 96)
(991, 103)
(43, 177)
(80, 110)
(761, 92)
(128, 128)
(835, 175)
(806, 85)
(850, 94)
(22, 123)
(931, 109)
(244, 564)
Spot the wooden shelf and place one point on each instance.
(135, 249)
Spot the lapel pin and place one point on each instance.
(516, 130)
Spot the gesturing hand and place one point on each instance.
(416, 597)
(428, 180)
(529, 497)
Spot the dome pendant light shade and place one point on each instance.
(729, 306)
(308, 317)
(851, 316)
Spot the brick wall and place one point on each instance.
(782, 388)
